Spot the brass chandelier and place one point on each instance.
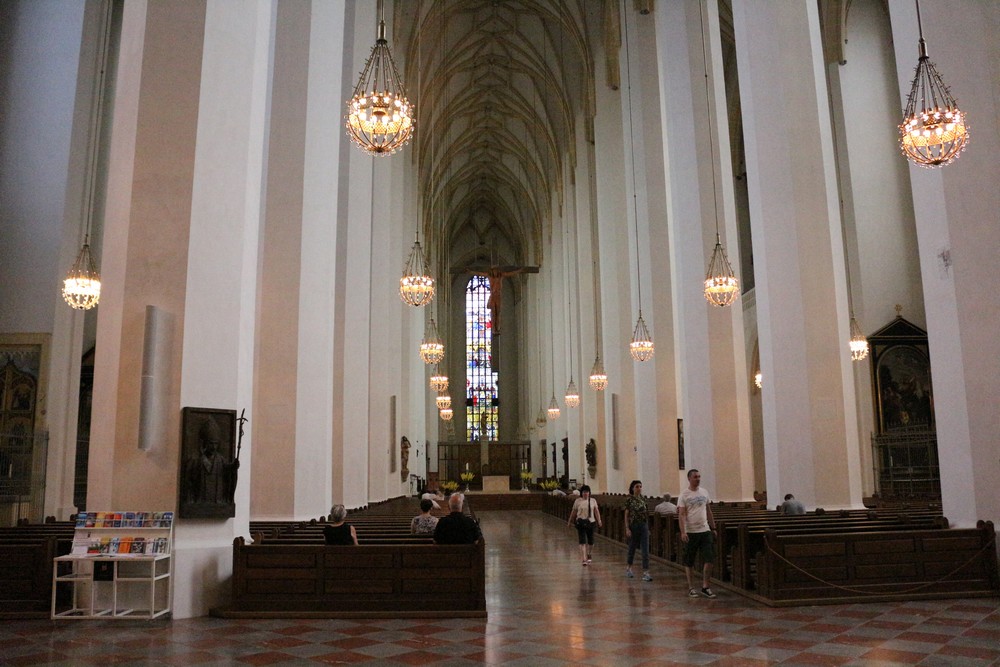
(598, 378)
(82, 285)
(934, 130)
(416, 286)
(443, 401)
(721, 285)
(380, 118)
(439, 381)
(431, 347)
(641, 346)
(858, 343)
(553, 411)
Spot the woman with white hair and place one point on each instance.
(338, 531)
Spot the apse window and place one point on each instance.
(481, 399)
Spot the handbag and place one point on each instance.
(582, 523)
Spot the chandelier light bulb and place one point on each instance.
(721, 285)
(859, 343)
(572, 395)
(598, 378)
(934, 130)
(641, 347)
(416, 287)
(446, 414)
(380, 118)
(431, 347)
(82, 286)
(553, 410)
(443, 401)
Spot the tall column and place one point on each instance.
(710, 355)
(810, 439)
(220, 308)
(958, 235)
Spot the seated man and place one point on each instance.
(792, 506)
(666, 507)
(456, 528)
(432, 495)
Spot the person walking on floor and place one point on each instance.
(587, 515)
(637, 529)
(694, 515)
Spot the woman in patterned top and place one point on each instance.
(424, 523)
(637, 529)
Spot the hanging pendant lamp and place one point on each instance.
(443, 401)
(859, 343)
(416, 286)
(598, 378)
(431, 347)
(758, 379)
(934, 130)
(380, 118)
(446, 414)
(641, 345)
(541, 419)
(721, 285)
(82, 285)
(439, 381)
(553, 411)
(572, 395)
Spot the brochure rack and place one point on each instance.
(119, 567)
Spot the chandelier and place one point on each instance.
(721, 284)
(553, 410)
(859, 344)
(439, 381)
(598, 378)
(572, 395)
(934, 131)
(431, 347)
(541, 419)
(443, 401)
(641, 346)
(758, 379)
(82, 286)
(446, 414)
(416, 287)
(379, 116)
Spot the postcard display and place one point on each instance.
(119, 567)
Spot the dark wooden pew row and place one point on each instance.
(26, 574)
(393, 581)
(803, 568)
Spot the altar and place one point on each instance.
(496, 484)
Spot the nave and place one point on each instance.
(546, 609)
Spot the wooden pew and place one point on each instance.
(797, 568)
(393, 581)
(26, 575)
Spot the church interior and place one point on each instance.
(710, 235)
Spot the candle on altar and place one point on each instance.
(467, 467)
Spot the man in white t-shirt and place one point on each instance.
(694, 516)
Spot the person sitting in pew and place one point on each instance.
(434, 496)
(424, 523)
(456, 528)
(792, 506)
(666, 507)
(339, 532)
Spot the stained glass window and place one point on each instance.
(481, 399)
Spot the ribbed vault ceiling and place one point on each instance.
(501, 89)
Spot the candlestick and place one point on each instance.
(467, 467)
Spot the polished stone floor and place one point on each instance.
(546, 609)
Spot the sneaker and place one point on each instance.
(692, 593)
(628, 573)
(589, 560)
(584, 563)
(646, 577)
(707, 592)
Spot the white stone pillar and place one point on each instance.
(811, 446)
(220, 309)
(958, 236)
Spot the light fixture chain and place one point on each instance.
(631, 134)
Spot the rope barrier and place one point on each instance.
(848, 589)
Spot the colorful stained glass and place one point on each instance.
(481, 397)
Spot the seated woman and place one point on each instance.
(434, 496)
(337, 531)
(424, 523)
